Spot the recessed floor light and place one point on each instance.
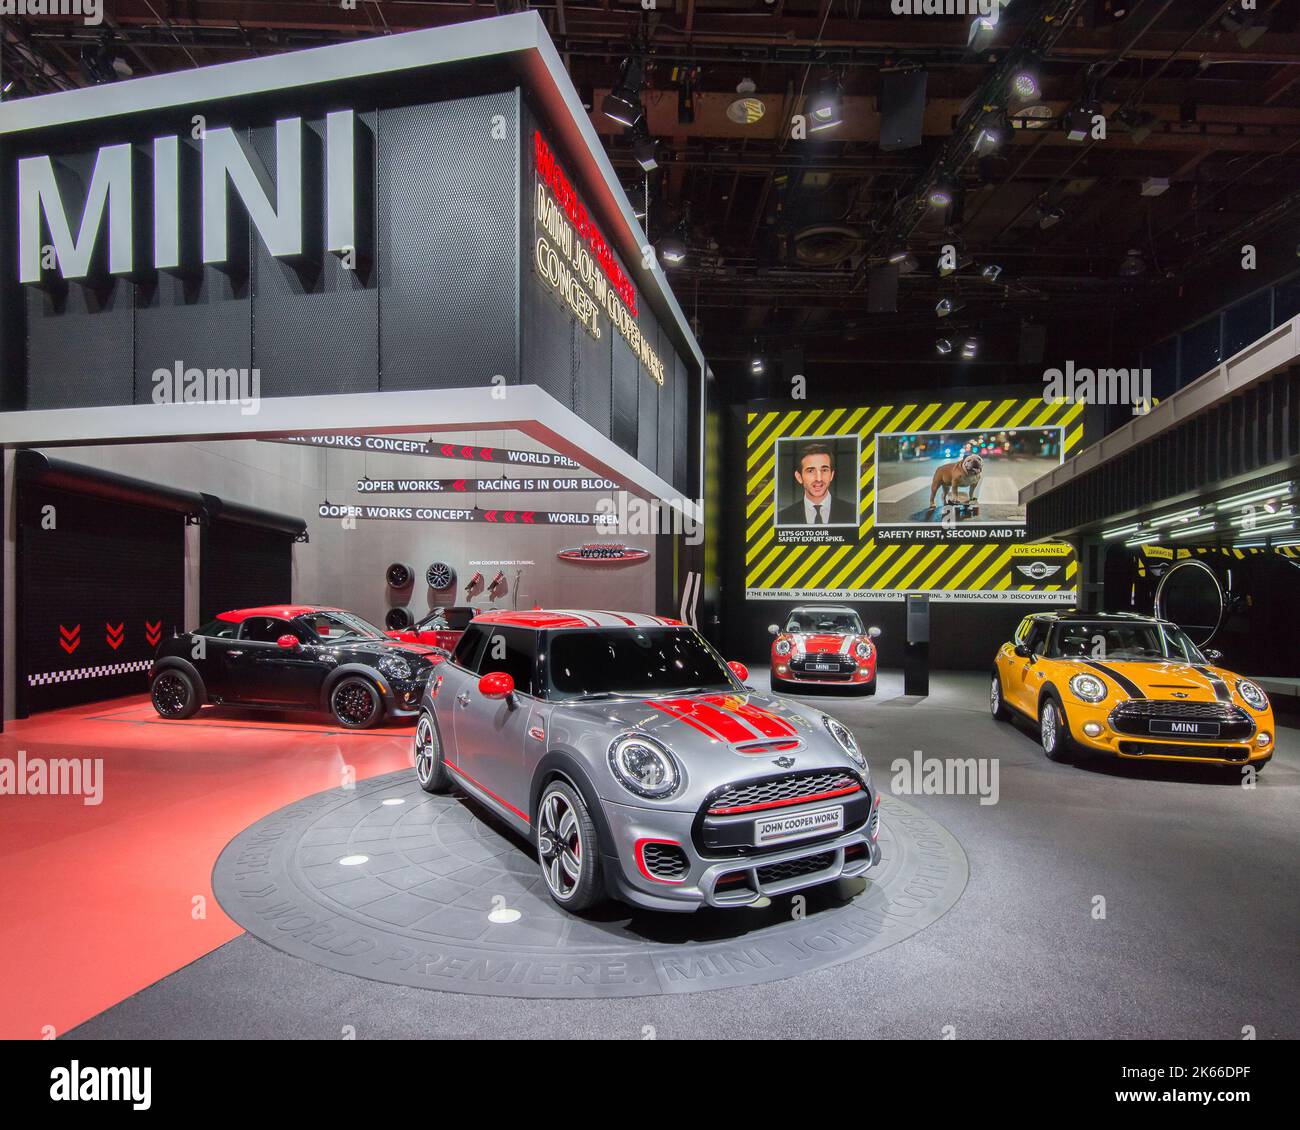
(394, 800)
(353, 860)
(504, 915)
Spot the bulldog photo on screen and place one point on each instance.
(951, 477)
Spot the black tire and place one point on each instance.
(557, 837)
(347, 703)
(997, 700)
(174, 694)
(430, 768)
(1059, 746)
(778, 686)
(869, 688)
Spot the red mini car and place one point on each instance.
(825, 645)
(442, 628)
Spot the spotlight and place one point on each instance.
(990, 136)
(970, 347)
(1078, 120)
(1112, 11)
(623, 103)
(946, 307)
(1025, 85)
(1140, 124)
(944, 346)
(672, 249)
(1049, 215)
(825, 105)
(947, 268)
(1132, 264)
(942, 193)
(992, 273)
(747, 108)
(643, 147)
(757, 366)
(898, 256)
(1246, 24)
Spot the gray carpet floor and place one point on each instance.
(1199, 938)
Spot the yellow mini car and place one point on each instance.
(1131, 686)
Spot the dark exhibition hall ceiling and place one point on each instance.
(1201, 101)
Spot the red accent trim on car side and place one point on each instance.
(483, 788)
(638, 850)
(714, 722)
(783, 803)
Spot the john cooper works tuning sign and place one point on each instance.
(888, 500)
(577, 263)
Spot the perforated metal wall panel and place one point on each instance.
(647, 445)
(591, 378)
(448, 243)
(243, 566)
(548, 334)
(95, 595)
(315, 324)
(668, 423)
(625, 406)
(682, 430)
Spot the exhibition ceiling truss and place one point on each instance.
(1201, 100)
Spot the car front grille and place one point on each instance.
(1135, 717)
(665, 861)
(795, 868)
(778, 792)
(1179, 749)
(837, 664)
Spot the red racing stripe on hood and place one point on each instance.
(709, 719)
(768, 723)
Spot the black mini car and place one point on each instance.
(292, 657)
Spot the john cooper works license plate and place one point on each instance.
(1191, 729)
(798, 825)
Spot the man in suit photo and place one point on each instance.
(816, 506)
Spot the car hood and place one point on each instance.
(1160, 679)
(818, 643)
(399, 646)
(719, 738)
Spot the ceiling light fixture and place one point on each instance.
(992, 273)
(825, 105)
(943, 346)
(970, 348)
(946, 307)
(623, 103)
(747, 108)
(643, 147)
(1132, 264)
(942, 192)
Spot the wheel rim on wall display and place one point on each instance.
(399, 576)
(1196, 602)
(440, 576)
(396, 619)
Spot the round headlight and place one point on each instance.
(395, 666)
(1088, 687)
(846, 740)
(782, 647)
(643, 766)
(1253, 696)
(863, 650)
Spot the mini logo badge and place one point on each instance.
(783, 762)
(1180, 694)
(1038, 570)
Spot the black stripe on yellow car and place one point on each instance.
(1127, 685)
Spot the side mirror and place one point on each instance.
(287, 642)
(774, 629)
(1023, 651)
(1213, 654)
(739, 670)
(496, 685)
(873, 632)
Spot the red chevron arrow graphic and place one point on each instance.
(459, 484)
(153, 632)
(486, 454)
(467, 453)
(448, 450)
(114, 636)
(529, 515)
(70, 638)
(489, 515)
(510, 516)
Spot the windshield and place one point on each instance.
(334, 627)
(1108, 640)
(613, 662)
(810, 620)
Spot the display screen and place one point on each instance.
(904, 498)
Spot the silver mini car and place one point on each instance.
(640, 765)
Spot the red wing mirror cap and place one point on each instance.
(739, 669)
(496, 685)
(287, 642)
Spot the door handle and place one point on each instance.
(462, 699)
(234, 654)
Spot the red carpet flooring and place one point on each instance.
(98, 901)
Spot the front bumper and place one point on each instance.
(725, 879)
(787, 672)
(1150, 747)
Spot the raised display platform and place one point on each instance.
(389, 883)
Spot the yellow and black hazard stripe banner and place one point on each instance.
(895, 549)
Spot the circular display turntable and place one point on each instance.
(387, 882)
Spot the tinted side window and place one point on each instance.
(469, 648)
(514, 651)
(218, 629)
(266, 629)
(1037, 637)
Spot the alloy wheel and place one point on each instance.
(425, 747)
(559, 845)
(170, 694)
(1048, 725)
(354, 704)
(995, 696)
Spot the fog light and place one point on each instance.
(1092, 729)
(1263, 738)
(782, 669)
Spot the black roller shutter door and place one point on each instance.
(99, 584)
(243, 566)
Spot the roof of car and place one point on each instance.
(280, 611)
(547, 619)
(1067, 615)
